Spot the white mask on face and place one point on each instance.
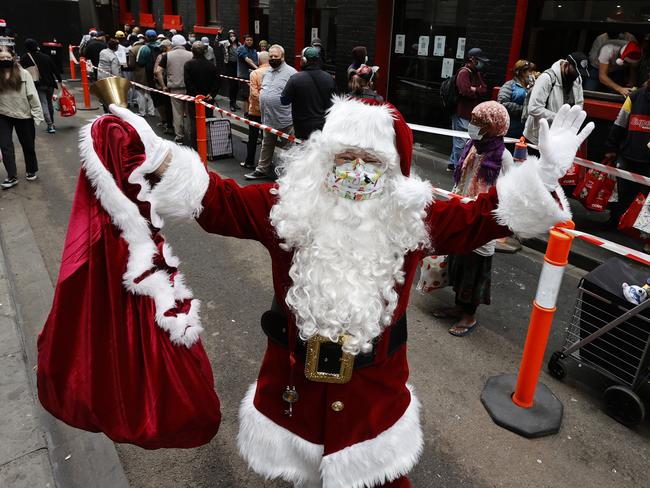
(473, 131)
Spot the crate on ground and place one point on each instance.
(219, 134)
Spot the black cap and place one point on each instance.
(477, 52)
(580, 63)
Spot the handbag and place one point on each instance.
(434, 273)
(33, 70)
(66, 103)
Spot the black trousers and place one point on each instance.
(251, 147)
(628, 190)
(233, 85)
(26, 134)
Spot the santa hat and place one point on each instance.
(377, 127)
(630, 53)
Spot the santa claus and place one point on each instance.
(346, 225)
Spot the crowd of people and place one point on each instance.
(269, 90)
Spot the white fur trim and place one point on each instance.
(272, 451)
(391, 454)
(184, 328)
(182, 187)
(525, 205)
(352, 123)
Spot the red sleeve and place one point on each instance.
(481, 89)
(235, 211)
(464, 83)
(459, 228)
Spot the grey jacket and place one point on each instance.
(273, 112)
(505, 99)
(176, 59)
(546, 98)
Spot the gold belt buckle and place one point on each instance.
(312, 359)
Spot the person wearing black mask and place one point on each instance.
(560, 84)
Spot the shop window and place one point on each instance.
(320, 21)
(557, 28)
(428, 43)
(258, 19)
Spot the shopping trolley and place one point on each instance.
(612, 336)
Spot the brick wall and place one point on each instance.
(282, 27)
(355, 27)
(229, 15)
(489, 26)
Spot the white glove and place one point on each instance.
(156, 148)
(559, 144)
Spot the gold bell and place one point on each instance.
(111, 90)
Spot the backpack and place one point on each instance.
(449, 93)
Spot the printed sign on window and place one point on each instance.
(447, 68)
(314, 33)
(257, 27)
(423, 46)
(460, 50)
(400, 41)
(439, 46)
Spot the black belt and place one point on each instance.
(274, 325)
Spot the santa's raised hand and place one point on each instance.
(559, 143)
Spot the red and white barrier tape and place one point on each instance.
(638, 256)
(189, 98)
(618, 173)
(235, 78)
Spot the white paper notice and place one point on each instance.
(447, 68)
(439, 46)
(257, 27)
(314, 33)
(400, 41)
(460, 50)
(423, 46)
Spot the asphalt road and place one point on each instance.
(463, 446)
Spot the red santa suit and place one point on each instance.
(365, 432)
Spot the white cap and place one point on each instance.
(178, 40)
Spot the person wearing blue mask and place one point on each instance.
(472, 90)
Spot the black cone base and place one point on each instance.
(543, 418)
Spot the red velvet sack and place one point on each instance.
(67, 103)
(626, 224)
(104, 362)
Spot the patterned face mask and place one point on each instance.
(356, 180)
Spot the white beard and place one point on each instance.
(348, 255)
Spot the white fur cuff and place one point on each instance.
(525, 205)
(182, 187)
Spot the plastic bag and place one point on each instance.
(66, 103)
(434, 273)
(628, 219)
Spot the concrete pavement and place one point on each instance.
(232, 277)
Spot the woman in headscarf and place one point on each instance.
(482, 160)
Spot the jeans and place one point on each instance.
(45, 96)
(233, 85)
(26, 133)
(269, 143)
(457, 123)
(251, 147)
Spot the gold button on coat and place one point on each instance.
(337, 406)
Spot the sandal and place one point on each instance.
(447, 313)
(465, 330)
